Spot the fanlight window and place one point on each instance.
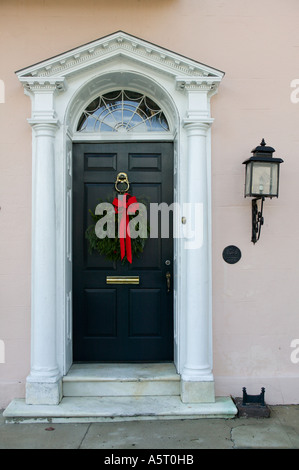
(123, 111)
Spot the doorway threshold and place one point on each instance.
(122, 379)
(107, 409)
(119, 392)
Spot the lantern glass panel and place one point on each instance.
(264, 179)
(248, 180)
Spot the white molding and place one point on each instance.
(119, 43)
(42, 84)
(110, 79)
(116, 137)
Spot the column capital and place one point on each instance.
(50, 125)
(195, 126)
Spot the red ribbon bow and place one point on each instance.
(125, 205)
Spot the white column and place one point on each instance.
(197, 377)
(44, 382)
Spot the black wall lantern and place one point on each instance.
(261, 180)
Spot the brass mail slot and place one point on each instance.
(122, 279)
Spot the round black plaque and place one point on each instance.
(231, 254)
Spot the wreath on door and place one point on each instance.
(113, 222)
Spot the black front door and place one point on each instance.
(122, 322)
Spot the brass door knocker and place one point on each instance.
(122, 178)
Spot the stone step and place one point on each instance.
(117, 380)
(101, 409)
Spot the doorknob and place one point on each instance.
(168, 276)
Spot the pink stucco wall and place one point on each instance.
(256, 43)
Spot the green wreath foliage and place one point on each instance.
(110, 247)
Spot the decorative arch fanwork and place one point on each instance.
(118, 87)
(122, 111)
(159, 103)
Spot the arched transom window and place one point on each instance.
(123, 111)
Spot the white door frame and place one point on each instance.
(60, 88)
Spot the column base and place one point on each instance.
(43, 393)
(197, 392)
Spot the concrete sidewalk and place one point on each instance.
(280, 431)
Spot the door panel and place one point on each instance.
(149, 324)
(104, 301)
(121, 323)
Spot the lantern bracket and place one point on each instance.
(257, 218)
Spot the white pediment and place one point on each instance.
(57, 69)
